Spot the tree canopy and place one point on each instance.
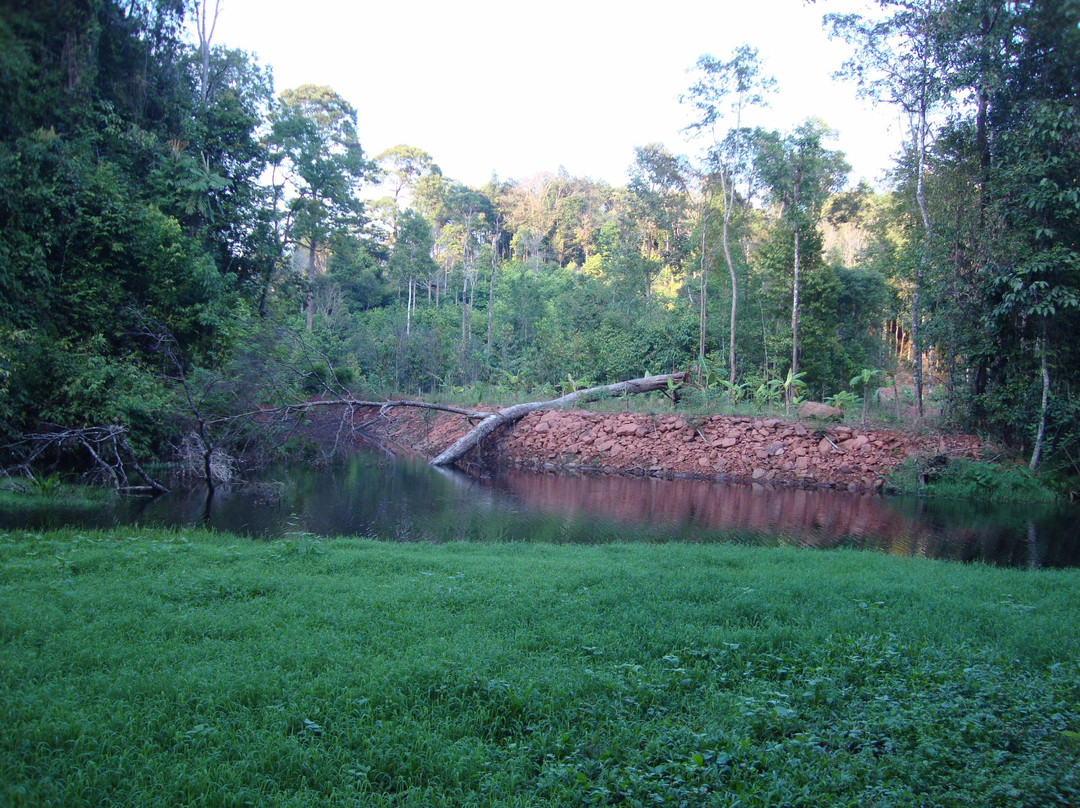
(155, 184)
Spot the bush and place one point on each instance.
(961, 478)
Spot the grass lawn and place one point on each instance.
(152, 667)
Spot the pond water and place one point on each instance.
(406, 500)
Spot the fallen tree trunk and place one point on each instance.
(107, 445)
(488, 421)
(511, 415)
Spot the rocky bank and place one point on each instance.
(733, 448)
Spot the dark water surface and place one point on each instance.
(406, 500)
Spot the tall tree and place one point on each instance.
(1032, 189)
(723, 91)
(318, 169)
(403, 167)
(898, 60)
(206, 18)
(799, 174)
(659, 196)
(410, 259)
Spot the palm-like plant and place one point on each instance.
(864, 377)
(793, 386)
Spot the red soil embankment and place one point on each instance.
(744, 448)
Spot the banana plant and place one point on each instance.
(844, 400)
(793, 385)
(864, 377)
(672, 391)
(570, 384)
(768, 393)
(736, 392)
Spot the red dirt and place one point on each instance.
(716, 447)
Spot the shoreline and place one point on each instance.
(720, 448)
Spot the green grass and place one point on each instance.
(185, 668)
(46, 493)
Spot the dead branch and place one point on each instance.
(488, 421)
(107, 447)
(382, 406)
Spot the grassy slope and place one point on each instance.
(164, 668)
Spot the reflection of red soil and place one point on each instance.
(767, 450)
(820, 518)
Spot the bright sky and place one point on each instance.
(516, 88)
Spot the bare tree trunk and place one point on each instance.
(514, 414)
(795, 312)
(311, 285)
(703, 316)
(466, 326)
(729, 200)
(489, 421)
(206, 33)
(491, 286)
(920, 198)
(1040, 437)
(464, 304)
(795, 288)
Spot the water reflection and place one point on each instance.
(1016, 535)
(405, 500)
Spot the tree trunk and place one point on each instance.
(703, 316)
(491, 287)
(511, 415)
(1040, 437)
(464, 305)
(728, 202)
(795, 311)
(795, 285)
(205, 29)
(920, 198)
(310, 306)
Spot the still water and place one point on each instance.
(406, 500)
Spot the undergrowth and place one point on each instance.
(187, 668)
(961, 478)
(48, 492)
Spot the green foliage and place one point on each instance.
(735, 392)
(769, 393)
(864, 379)
(132, 206)
(570, 384)
(960, 478)
(122, 209)
(862, 305)
(47, 493)
(793, 386)
(844, 400)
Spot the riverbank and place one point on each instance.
(152, 667)
(716, 447)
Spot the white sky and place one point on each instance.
(517, 88)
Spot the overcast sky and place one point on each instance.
(515, 88)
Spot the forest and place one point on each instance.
(181, 242)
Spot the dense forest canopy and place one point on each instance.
(177, 239)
